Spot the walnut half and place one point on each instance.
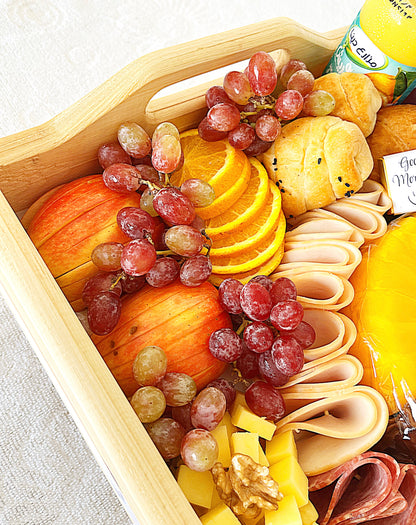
(246, 487)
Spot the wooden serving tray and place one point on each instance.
(65, 148)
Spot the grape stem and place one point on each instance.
(165, 252)
(242, 326)
(121, 275)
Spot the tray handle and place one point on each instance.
(66, 146)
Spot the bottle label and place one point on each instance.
(356, 52)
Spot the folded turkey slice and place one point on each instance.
(323, 229)
(363, 211)
(319, 289)
(331, 430)
(331, 255)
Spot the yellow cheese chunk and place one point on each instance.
(198, 487)
(309, 514)
(220, 433)
(291, 479)
(287, 513)
(240, 399)
(216, 500)
(280, 446)
(220, 515)
(226, 421)
(245, 419)
(262, 457)
(246, 443)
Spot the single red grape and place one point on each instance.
(112, 153)
(304, 334)
(258, 337)
(223, 117)
(261, 72)
(195, 270)
(287, 355)
(247, 363)
(269, 372)
(163, 272)
(208, 133)
(225, 345)
(255, 301)
(101, 282)
(173, 206)
(229, 295)
(226, 388)
(241, 136)
(104, 311)
(265, 400)
(283, 289)
(138, 257)
(135, 222)
(286, 315)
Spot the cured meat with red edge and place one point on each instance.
(371, 487)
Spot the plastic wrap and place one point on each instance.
(384, 312)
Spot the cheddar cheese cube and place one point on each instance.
(216, 500)
(280, 446)
(220, 433)
(262, 457)
(287, 513)
(246, 443)
(226, 421)
(291, 479)
(242, 417)
(309, 514)
(198, 487)
(220, 515)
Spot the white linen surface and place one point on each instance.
(51, 54)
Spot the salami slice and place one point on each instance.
(371, 487)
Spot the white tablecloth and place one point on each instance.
(51, 54)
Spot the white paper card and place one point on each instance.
(399, 178)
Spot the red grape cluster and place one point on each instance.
(272, 339)
(249, 107)
(178, 419)
(166, 235)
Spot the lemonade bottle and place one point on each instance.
(381, 42)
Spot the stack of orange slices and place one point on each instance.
(245, 222)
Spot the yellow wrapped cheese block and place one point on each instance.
(384, 311)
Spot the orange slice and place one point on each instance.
(229, 197)
(215, 162)
(246, 207)
(247, 260)
(251, 235)
(265, 269)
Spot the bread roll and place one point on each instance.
(356, 98)
(394, 132)
(317, 160)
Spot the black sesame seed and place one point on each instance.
(274, 161)
(340, 179)
(282, 190)
(277, 183)
(290, 216)
(319, 160)
(280, 181)
(347, 184)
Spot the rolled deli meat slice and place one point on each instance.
(371, 487)
(318, 229)
(335, 256)
(332, 430)
(327, 378)
(323, 290)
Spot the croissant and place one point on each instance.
(394, 132)
(317, 160)
(356, 98)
